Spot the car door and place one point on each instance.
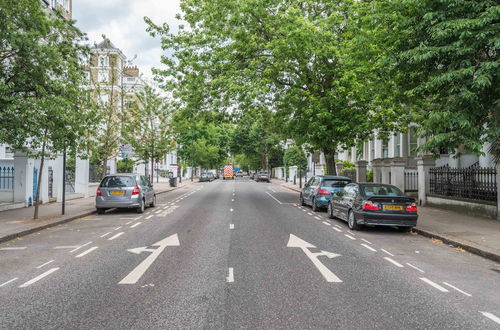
(312, 189)
(348, 199)
(306, 190)
(342, 204)
(142, 182)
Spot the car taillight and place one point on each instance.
(136, 190)
(370, 206)
(411, 208)
(98, 192)
(323, 192)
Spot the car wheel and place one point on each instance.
(301, 199)
(405, 229)
(351, 221)
(315, 207)
(141, 207)
(330, 211)
(153, 202)
(101, 210)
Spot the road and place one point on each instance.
(239, 254)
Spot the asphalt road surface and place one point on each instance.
(239, 255)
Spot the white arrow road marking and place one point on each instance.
(294, 241)
(135, 275)
(39, 277)
(491, 316)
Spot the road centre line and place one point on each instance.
(128, 222)
(488, 315)
(349, 236)
(135, 224)
(106, 234)
(48, 262)
(230, 277)
(86, 252)
(326, 223)
(454, 287)
(149, 217)
(394, 262)
(38, 278)
(117, 228)
(116, 236)
(435, 285)
(337, 229)
(368, 247)
(9, 281)
(415, 267)
(274, 198)
(231, 226)
(392, 255)
(364, 240)
(78, 248)
(13, 248)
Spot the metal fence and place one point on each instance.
(7, 178)
(70, 180)
(51, 181)
(411, 180)
(471, 183)
(349, 172)
(95, 173)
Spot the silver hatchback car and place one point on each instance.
(125, 191)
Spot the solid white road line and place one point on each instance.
(349, 236)
(116, 236)
(326, 223)
(86, 252)
(274, 198)
(13, 248)
(337, 229)
(149, 217)
(231, 226)
(394, 262)
(78, 248)
(9, 281)
(135, 224)
(117, 228)
(230, 277)
(39, 277)
(392, 255)
(461, 291)
(364, 240)
(48, 262)
(415, 267)
(435, 285)
(368, 247)
(491, 316)
(106, 234)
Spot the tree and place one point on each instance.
(295, 156)
(147, 127)
(43, 107)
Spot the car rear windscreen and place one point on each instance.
(118, 181)
(381, 191)
(335, 183)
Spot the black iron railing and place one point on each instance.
(472, 183)
(411, 180)
(6, 178)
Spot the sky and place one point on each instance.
(122, 22)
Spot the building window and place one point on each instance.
(103, 76)
(385, 148)
(413, 141)
(372, 149)
(397, 140)
(103, 60)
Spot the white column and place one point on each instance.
(361, 170)
(424, 163)
(23, 178)
(378, 148)
(44, 187)
(82, 177)
(112, 165)
(398, 173)
(58, 178)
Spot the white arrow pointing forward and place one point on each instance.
(136, 274)
(294, 241)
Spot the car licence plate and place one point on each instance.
(117, 192)
(393, 207)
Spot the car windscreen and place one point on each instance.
(262, 173)
(117, 182)
(381, 190)
(335, 183)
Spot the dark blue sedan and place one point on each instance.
(320, 188)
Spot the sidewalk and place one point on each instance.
(19, 222)
(479, 235)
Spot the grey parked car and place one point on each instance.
(262, 176)
(125, 191)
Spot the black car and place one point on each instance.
(373, 204)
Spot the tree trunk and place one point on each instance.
(104, 168)
(152, 170)
(39, 183)
(330, 162)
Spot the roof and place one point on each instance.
(106, 44)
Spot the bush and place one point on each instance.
(369, 176)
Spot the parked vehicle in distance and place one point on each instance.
(124, 191)
(262, 176)
(252, 175)
(239, 174)
(228, 173)
(320, 188)
(206, 177)
(374, 204)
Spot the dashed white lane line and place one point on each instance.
(106, 234)
(86, 252)
(317, 218)
(117, 228)
(128, 222)
(149, 217)
(116, 236)
(13, 248)
(231, 226)
(394, 262)
(309, 213)
(39, 277)
(126, 218)
(349, 236)
(135, 224)
(9, 281)
(435, 285)
(364, 240)
(415, 267)
(492, 317)
(326, 223)
(158, 212)
(45, 264)
(454, 287)
(138, 217)
(79, 247)
(232, 200)
(231, 210)
(368, 247)
(337, 229)
(350, 232)
(392, 255)
(230, 277)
